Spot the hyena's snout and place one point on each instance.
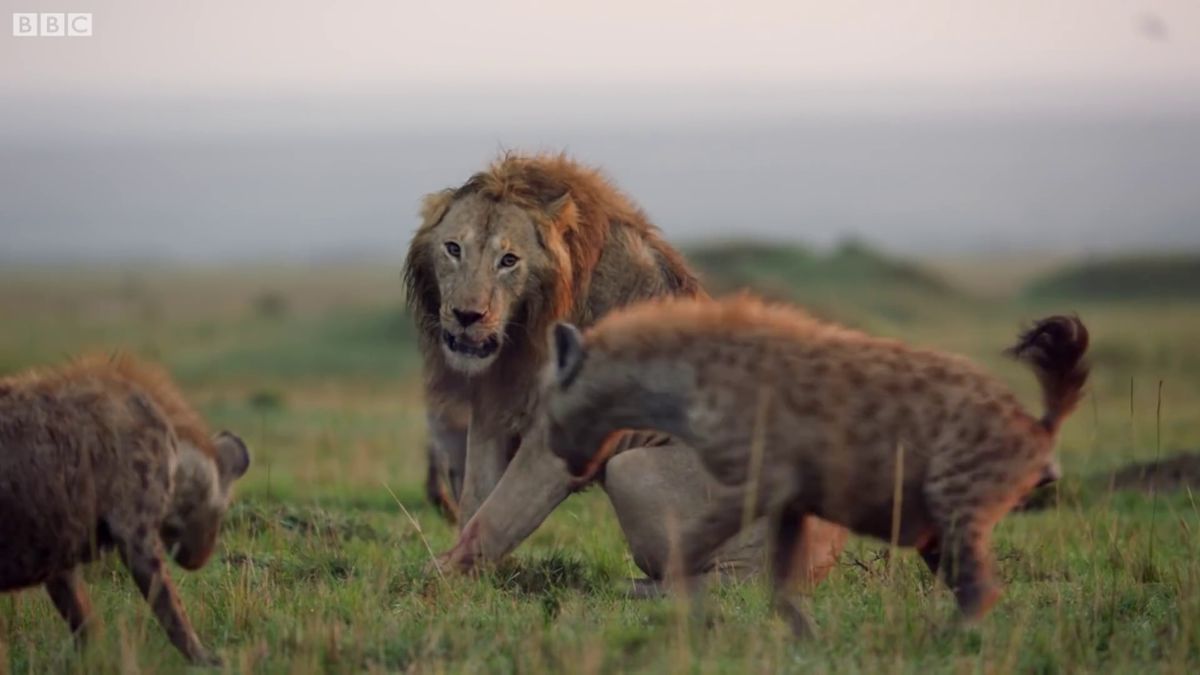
(583, 457)
(577, 464)
(1050, 474)
(577, 457)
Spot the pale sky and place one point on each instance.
(210, 128)
(147, 47)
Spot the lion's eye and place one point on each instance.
(453, 249)
(509, 260)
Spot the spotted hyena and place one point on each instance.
(798, 417)
(105, 453)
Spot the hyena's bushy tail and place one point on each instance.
(1055, 347)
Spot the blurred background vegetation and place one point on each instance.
(257, 341)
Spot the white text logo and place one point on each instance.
(51, 24)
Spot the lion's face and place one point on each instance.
(486, 258)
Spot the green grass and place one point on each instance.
(321, 568)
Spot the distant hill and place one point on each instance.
(1126, 277)
(853, 283)
(784, 268)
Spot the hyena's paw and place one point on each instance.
(797, 619)
(975, 600)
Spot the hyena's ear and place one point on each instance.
(233, 458)
(569, 353)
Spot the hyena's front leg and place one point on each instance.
(70, 598)
(787, 554)
(967, 564)
(963, 509)
(143, 557)
(931, 554)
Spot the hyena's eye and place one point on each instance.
(508, 260)
(453, 249)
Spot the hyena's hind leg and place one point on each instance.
(787, 556)
(70, 598)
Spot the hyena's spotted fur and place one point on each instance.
(838, 421)
(105, 453)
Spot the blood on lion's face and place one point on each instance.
(487, 258)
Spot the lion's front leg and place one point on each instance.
(663, 495)
(659, 494)
(528, 490)
(446, 453)
(487, 459)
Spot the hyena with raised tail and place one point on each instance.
(798, 417)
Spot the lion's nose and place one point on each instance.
(467, 317)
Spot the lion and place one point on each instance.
(105, 453)
(495, 263)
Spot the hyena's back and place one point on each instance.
(839, 415)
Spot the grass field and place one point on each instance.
(323, 569)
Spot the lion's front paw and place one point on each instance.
(455, 561)
(204, 658)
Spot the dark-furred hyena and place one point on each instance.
(105, 453)
(838, 423)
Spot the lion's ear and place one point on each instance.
(555, 206)
(569, 353)
(563, 211)
(434, 206)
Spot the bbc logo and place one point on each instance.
(51, 24)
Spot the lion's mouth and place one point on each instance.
(480, 349)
